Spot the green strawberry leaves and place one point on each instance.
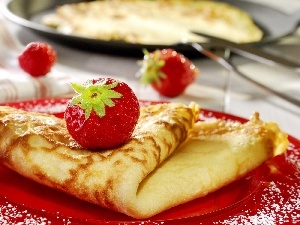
(95, 96)
(150, 69)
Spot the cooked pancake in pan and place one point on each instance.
(153, 22)
(171, 158)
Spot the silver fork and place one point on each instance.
(226, 63)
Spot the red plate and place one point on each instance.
(268, 195)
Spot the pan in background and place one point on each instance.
(27, 13)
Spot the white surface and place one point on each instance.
(208, 91)
(290, 6)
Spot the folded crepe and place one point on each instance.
(170, 159)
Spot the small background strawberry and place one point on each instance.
(168, 71)
(103, 114)
(37, 58)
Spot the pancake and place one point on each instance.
(162, 22)
(170, 159)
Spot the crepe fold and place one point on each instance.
(169, 160)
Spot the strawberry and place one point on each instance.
(37, 58)
(103, 114)
(168, 71)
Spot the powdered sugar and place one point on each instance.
(10, 214)
(279, 201)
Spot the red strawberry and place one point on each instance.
(168, 71)
(103, 114)
(37, 58)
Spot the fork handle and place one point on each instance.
(231, 67)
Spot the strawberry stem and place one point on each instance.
(95, 96)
